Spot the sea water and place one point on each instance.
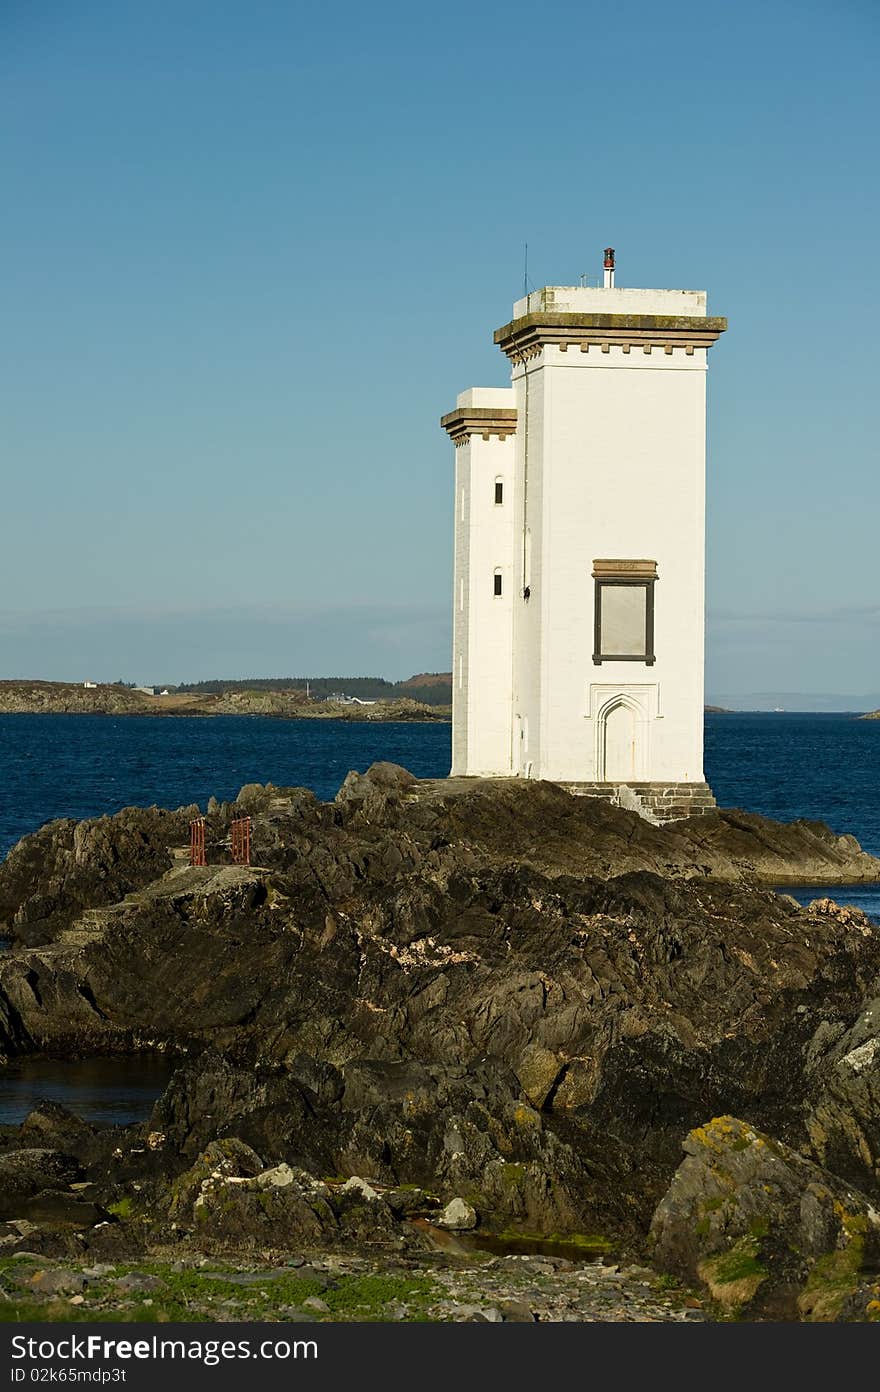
(823, 767)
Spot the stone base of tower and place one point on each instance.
(656, 802)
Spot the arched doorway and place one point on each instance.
(619, 735)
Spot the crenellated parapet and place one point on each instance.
(484, 421)
(525, 337)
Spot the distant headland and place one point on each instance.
(322, 698)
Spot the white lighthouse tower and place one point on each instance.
(578, 642)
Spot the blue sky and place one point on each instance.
(252, 252)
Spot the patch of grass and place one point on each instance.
(365, 1297)
(734, 1276)
(194, 1294)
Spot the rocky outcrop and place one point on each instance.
(68, 698)
(484, 992)
(765, 1230)
(280, 1206)
(49, 878)
(843, 1118)
(446, 1131)
(385, 826)
(293, 705)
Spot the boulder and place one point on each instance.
(220, 1159)
(28, 1172)
(257, 1213)
(52, 1126)
(57, 1281)
(766, 1230)
(458, 1216)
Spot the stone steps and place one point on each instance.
(184, 880)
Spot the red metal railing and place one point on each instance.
(241, 841)
(197, 854)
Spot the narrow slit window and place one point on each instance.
(499, 491)
(496, 579)
(624, 611)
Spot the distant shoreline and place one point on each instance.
(65, 698)
(442, 717)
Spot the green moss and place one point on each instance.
(513, 1174)
(739, 1264)
(832, 1280)
(122, 1208)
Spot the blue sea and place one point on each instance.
(825, 767)
(822, 767)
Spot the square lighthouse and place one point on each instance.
(579, 608)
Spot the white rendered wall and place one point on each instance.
(616, 469)
(482, 623)
(460, 611)
(583, 299)
(529, 684)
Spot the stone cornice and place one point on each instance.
(479, 420)
(624, 570)
(525, 337)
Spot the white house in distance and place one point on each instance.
(578, 636)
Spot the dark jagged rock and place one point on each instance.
(53, 1126)
(843, 1119)
(35, 1185)
(385, 822)
(218, 1160)
(432, 1128)
(48, 878)
(765, 1229)
(229, 1199)
(27, 1172)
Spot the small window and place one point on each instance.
(624, 611)
(499, 491)
(497, 582)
